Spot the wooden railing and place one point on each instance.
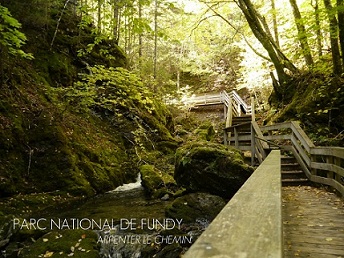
(250, 225)
(234, 104)
(254, 142)
(323, 165)
(259, 146)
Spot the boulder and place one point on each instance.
(156, 183)
(195, 206)
(209, 167)
(205, 131)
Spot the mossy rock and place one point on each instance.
(63, 243)
(205, 131)
(210, 167)
(195, 206)
(156, 182)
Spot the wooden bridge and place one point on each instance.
(281, 211)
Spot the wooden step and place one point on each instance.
(293, 174)
(295, 182)
(290, 166)
(241, 119)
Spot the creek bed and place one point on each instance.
(137, 227)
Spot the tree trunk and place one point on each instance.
(333, 26)
(301, 33)
(155, 39)
(340, 8)
(274, 22)
(317, 26)
(277, 57)
(115, 21)
(99, 12)
(140, 35)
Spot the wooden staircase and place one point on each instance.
(302, 162)
(292, 173)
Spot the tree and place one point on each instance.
(274, 22)
(302, 34)
(155, 39)
(333, 28)
(317, 26)
(340, 8)
(280, 61)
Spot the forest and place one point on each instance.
(93, 94)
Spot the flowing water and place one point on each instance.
(137, 225)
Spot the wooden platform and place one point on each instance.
(313, 222)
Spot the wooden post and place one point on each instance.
(225, 111)
(253, 111)
(329, 160)
(239, 109)
(229, 113)
(229, 120)
(337, 162)
(236, 138)
(253, 145)
(313, 170)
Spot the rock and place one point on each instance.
(155, 182)
(166, 197)
(210, 167)
(195, 206)
(205, 131)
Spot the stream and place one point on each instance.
(125, 221)
(135, 226)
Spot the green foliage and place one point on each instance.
(10, 36)
(108, 88)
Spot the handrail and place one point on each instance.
(255, 142)
(258, 146)
(323, 165)
(228, 99)
(250, 225)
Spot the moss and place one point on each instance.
(210, 167)
(155, 182)
(48, 146)
(316, 101)
(151, 180)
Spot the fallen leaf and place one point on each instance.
(328, 239)
(48, 254)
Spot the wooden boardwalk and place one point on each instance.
(313, 222)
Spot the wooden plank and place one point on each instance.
(301, 151)
(332, 151)
(329, 167)
(259, 134)
(275, 127)
(277, 137)
(250, 224)
(327, 181)
(301, 162)
(313, 222)
(302, 136)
